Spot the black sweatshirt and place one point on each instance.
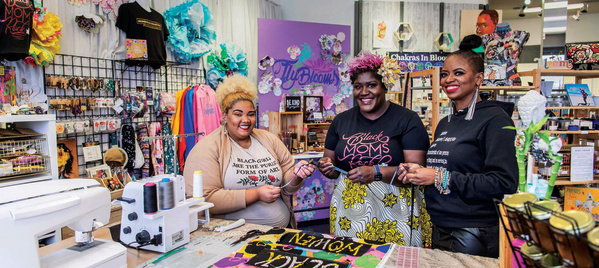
(481, 158)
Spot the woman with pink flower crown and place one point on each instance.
(363, 150)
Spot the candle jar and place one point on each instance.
(550, 261)
(515, 211)
(593, 238)
(531, 254)
(568, 243)
(539, 229)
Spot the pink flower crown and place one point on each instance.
(384, 66)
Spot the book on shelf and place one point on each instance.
(579, 95)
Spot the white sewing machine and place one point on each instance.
(166, 229)
(30, 210)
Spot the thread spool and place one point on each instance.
(150, 198)
(198, 189)
(166, 194)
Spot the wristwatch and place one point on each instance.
(378, 176)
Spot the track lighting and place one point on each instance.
(577, 16)
(521, 14)
(584, 8)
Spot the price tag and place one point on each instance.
(584, 132)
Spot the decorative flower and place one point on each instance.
(389, 70)
(191, 28)
(353, 193)
(266, 62)
(293, 51)
(63, 157)
(272, 178)
(344, 223)
(390, 200)
(254, 178)
(230, 60)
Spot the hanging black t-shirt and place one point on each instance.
(138, 23)
(358, 141)
(16, 19)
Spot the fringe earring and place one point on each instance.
(472, 106)
(225, 126)
(451, 108)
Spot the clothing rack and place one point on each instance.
(175, 138)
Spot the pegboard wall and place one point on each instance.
(93, 75)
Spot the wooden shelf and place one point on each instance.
(508, 88)
(553, 72)
(574, 132)
(572, 107)
(394, 92)
(567, 182)
(317, 124)
(290, 113)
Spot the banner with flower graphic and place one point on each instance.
(309, 60)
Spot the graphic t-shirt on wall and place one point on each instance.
(16, 18)
(252, 168)
(138, 23)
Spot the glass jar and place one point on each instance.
(569, 246)
(515, 211)
(593, 238)
(532, 254)
(539, 229)
(550, 261)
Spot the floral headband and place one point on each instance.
(386, 67)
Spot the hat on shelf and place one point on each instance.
(115, 157)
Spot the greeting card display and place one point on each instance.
(579, 95)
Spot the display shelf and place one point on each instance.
(434, 74)
(317, 124)
(290, 113)
(557, 132)
(507, 88)
(572, 107)
(577, 74)
(567, 182)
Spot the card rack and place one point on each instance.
(169, 78)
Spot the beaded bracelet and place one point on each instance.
(446, 179)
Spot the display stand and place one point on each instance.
(434, 75)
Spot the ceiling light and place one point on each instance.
(532, 9)
(527, 2)
(584, 8)
(577, 16)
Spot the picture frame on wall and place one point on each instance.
(313, 109)
(579, 95)
(293, 103)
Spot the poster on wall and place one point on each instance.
(418, 61)
(479, 22)
(67, 158)
(383, 35)
(299, 59)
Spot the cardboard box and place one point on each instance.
(585, 199)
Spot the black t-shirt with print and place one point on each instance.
(358, 141)
(16, 20)
(138, 23)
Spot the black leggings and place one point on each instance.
(481, 241)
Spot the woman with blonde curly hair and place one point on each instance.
(247, 173)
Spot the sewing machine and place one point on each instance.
(30, 210)
(166, 229)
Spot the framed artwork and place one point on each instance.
(579, 95)
(99, 172)
(112, 184)
(68, 167)
(293, 103)
(313, 109)
(479, 22)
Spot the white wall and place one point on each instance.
(533, 25)
(584, 30)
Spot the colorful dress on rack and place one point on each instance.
(169, 150)
(144, 144)
(157, 149)
(128, 143)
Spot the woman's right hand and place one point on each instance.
(269, 193)
(325, 165)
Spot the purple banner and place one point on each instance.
(302, 59)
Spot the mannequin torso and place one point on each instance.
(145, 4)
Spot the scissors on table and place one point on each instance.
(249, 234)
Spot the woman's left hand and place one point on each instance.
(363, 174)
(303, 170)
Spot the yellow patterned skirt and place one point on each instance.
(380, 212)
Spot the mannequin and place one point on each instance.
(502, 49)
(145, 4)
